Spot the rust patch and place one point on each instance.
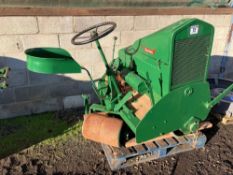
(102, 128)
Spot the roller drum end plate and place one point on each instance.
(102, 128)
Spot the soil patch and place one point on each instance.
(75, 155)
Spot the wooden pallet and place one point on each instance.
(124, 157)
(227, 120)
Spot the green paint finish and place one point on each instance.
(170, 66)
(122, 102)
(129, 118)
(154, 54)
(136, 82)
(174, 111)
(220, 96)
(51, 61)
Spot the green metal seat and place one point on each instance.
(51, 60)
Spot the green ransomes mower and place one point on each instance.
(155, 86)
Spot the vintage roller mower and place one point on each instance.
(156, 86)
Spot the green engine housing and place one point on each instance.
(170, 66)
(172, 57)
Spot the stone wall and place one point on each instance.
(33, 93)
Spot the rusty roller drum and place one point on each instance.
(102, 128)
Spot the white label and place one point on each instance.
(194, 29)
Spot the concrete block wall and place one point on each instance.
(30, 92)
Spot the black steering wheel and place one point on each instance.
(94, 33)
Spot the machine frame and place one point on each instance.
(147, 68)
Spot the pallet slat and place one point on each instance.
(151, 146)
(124, 157)
(171, 141)
(181, 139)
(161, 143)
(140, 148)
